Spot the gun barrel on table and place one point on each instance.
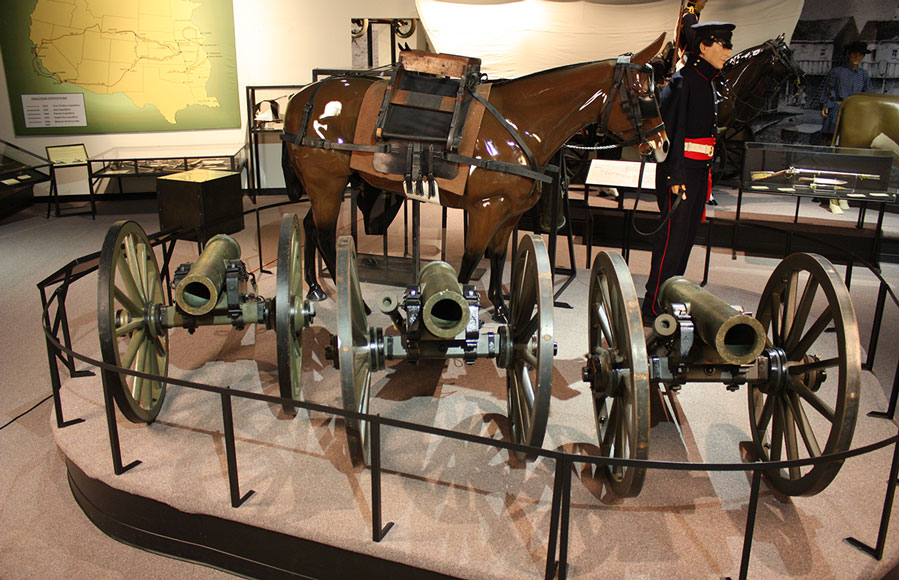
(793, 171)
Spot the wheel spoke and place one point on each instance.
(813, 399)
(802, 368)
(129, 327)
(137, 341)
(805, 428)
(605, 326)
(527, 388)
(526, 355)
(518, 415)
(139, 366)
(131, 290)
(144, 270)
(767, 412)
(152, 368)
(811, 336)
(523, 333)
(777, 432)
(134, 266)
(792, 444)
(154, 285)
(789, 303)
(801, 318)
(774, 313)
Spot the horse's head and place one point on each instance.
(785, 65)
(749, 77)
(632, 115)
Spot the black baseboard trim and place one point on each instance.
(224, 544)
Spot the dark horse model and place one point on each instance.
(745, 83)
(539, 112)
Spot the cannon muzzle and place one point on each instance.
(198, 292)
(444, 307)
(736, 337)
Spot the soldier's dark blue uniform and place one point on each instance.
(688, 107)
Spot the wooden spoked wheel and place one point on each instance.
(618, 371)
(129, 310)
(353, 350)
(289, 320)
(809, 405)
(530, 365)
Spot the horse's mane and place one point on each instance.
(747, 54)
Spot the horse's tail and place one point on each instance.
(294, 186)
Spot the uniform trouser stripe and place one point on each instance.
(671, 248)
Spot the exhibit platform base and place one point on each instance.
(222, 543)
(458, 509)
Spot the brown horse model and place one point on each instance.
(534, 116)
(865, 117)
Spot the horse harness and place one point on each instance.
(636, 106)
(423, 112)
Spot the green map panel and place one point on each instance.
(141, 65)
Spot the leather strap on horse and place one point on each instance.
(629, 103)
(535, 172)
(502, 121)
(540, 174)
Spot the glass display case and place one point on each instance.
(824, 172)
(20, 168)
(19, 171)
(166, 159)
(266, 106)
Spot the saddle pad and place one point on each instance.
(362, 161)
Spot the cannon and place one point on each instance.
(133, 319)
(799, 357)
(441, 322)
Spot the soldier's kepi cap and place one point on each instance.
(720, 32)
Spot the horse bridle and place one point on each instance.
(636, 106)
(778, 58)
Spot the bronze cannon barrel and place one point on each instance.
(736, 337)
(444, 308)
(198, 292)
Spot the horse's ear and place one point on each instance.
(650, 51)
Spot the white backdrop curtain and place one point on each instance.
(518, 37)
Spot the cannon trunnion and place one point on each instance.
(133, 318)
(803, 383)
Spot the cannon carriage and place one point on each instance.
(799, 358)
(133, 318)
(442, 322)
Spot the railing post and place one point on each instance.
(374, 441)
(231, 452)
(877, 551)
(113, 428)
(558, 518)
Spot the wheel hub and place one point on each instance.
(602, 374)
(778, 372)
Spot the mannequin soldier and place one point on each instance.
(688, 107)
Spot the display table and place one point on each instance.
(19, 171)
(202, 202)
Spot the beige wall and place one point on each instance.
(277, 42)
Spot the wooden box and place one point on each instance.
(202, 202)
